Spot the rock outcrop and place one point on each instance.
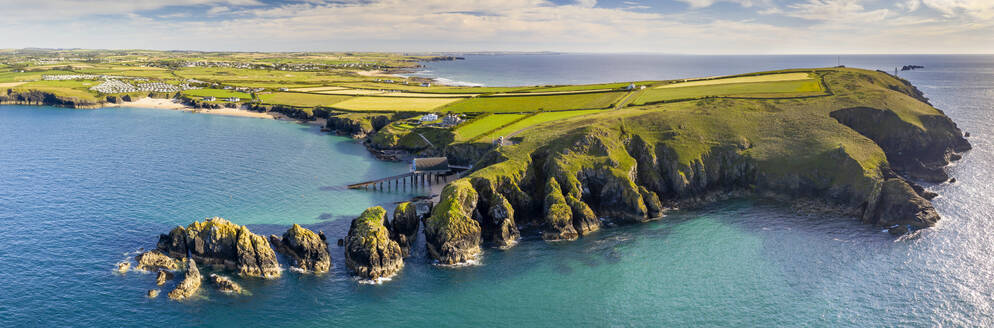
(123, 267)
(404, 226)
(558, 224)
(451, 233)
(225, 284)
(495, 215)
(190, 284)
(369, 251)
(218, 242)
(152, 293)
(162, 277)
(305, 249)
(154, 259)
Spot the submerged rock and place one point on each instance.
(369, 251)
(153, 260)
(218, 242)
(225, 285)
(190, 284)
(152, 293)
(162, 277)
(451, 233)
(122, 267)
(306, 250)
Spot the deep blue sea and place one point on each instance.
(81, 190)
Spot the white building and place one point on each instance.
(426, 85)
(210, 98)
(233, 99)
(429, 117)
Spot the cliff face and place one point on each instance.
(36, 97)
(306, 249)
(629, 166)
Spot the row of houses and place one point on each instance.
(228, 99)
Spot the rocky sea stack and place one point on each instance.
(305, 249)
(404, 226)
(369, 251)
(218, 242)
(452, 235)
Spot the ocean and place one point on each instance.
(81, 190)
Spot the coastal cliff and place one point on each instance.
(858, 151)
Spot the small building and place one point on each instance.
(430, 165)
(451, 119)
(233, 99)
(429, 117)
(631, 86)
(210, 98)
(284, 89)
(426, 84)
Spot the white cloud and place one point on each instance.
(982, 9)
(708, 3)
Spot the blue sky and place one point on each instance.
(659, 26)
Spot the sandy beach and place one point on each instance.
(176, 105)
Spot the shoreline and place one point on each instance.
(173, 104)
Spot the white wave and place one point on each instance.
(445, 81)
(377, 281)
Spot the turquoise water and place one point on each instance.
(82, 189)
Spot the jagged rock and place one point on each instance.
(305, 249)
(404, 227)
(369, 251)
(190, 284)
(162, 277)
(154, 259)
(898, 204)
(558, 223)
(122, 267)
(451, 233)
(584, 219)
(495, 215)
(224, 284)
(218, 242)
(652, 203)
(174, 243)
(152, 293)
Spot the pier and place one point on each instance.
(424, 173)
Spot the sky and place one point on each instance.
(606, 26)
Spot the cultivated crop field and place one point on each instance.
(777, 89)
(523, 104)
(397, 104)
(486, 124)
(219, 93)
(742, 79)
(301, 99)
(542, 118)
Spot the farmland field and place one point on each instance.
(434, 89)
(742, 79)
(78, 89)
(767, 89)
(519, 104)
(542, 118)
(393, 103)
(473, 129)
(301, 99)
(219, 93)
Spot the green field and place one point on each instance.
(393, 104)
(523, 104)
(542, 118)
(219, 93)
(433, 89)
(77, 89)
(583, 87)
(473, 129)
(301, 99)
(778, 89)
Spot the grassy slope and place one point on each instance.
(219, 93)
(542, 118)
(784, 136)
(520, 104)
